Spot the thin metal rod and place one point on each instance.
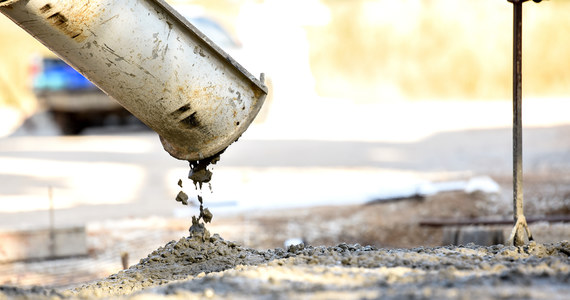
(517, 116)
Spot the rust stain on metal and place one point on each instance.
(191, 121)
(61, 22)
(177, 113)
(46, 8)
(187, 117)
(72, 21)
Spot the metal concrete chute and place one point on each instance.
(155, 63)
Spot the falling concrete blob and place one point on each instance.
(182, 197)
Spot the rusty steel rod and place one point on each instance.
(520, 226)
(517, 119)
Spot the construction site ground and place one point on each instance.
(389, 225)
(287, 173)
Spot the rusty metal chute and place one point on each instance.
(155, 63)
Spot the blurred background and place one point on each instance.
(382, 114)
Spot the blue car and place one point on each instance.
(74, 102)
(56, 75)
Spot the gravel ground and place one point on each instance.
(402, 259)
(220, 269)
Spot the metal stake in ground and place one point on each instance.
(517, 234)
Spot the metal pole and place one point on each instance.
(521, 225)
(517, 119)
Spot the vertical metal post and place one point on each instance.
(517, 119)
(517, 235)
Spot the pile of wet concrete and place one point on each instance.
(216, 268)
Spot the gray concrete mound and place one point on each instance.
(220, 269)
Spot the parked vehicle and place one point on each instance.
(74, 101)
